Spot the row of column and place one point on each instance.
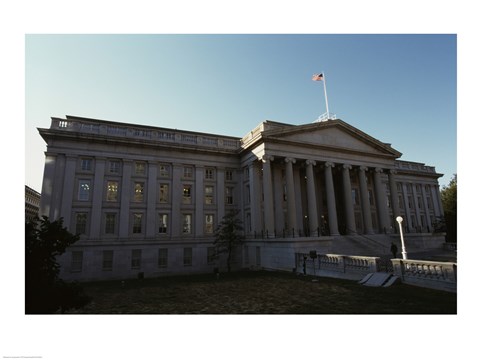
(379, 190)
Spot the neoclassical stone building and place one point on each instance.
(147, 199)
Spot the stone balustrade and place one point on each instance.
(431, 274)
(337, 266)
(155, 134)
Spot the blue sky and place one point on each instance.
(400, 89)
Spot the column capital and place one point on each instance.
(347, 167)
(290, 160)
(311, 162)
(392, 171)
(264, 158)
(363, 168)
(378, 170)
(329, 164)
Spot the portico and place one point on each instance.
(329, 179)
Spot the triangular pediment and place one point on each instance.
(335, 134)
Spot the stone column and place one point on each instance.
(48, 185)
(68, 189)
(312, 197)
(97, 198)
(58, 186)
(268, 213)
(426, 209)
(347, 194)
(220, 201)
(394, 194)
(199, 201)
(416, 207)
(380, 196)
(278, 199)
(152, 188)
(125, 191)
(255, 196)
(176, 200)
(331, 206)
(367, 214)
(291, 208)
(408, 220)
(436, 194)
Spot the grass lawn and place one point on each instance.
(261, 292)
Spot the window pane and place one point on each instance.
(138, 192)
(137, 223)
(187, 256)
(162, 258)
(112, 191)
(107, 262)
(163, 193)
(187, 194)
(81, 223)
(187, 224)
(84, 190)
(136, 258)
(77, 261)
(162, 223)
(110, 223)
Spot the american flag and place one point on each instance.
(317, 77)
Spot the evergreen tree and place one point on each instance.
(228, 236)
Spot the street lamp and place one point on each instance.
(404, 252)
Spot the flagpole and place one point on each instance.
(325, 90)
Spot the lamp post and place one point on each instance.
(404, 252)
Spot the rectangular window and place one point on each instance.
(400, 202)
(410, 202)
(188, 172)
(208, 195)
(211, 256)
(77, 261)
(187, 194)
(80, 223)
(164, 171)
(164, 193)
(162, 223)
(354, 196)
(137, 223)
(107, 261)
(187, 224)
(112, 190)
(84, 190)
(229, 195)
(114, 167)
(228, 175)
(209, 174)
(86, 164)
(110, 221)
(247, 195)
(419, 200)
(399, 187)
(163, 258)
(136, 259)
(187, 256)
(209, 224)
(140, 168)
(138, 192)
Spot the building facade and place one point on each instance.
(32, 203)
(147, 199)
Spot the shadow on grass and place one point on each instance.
(261, 292)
